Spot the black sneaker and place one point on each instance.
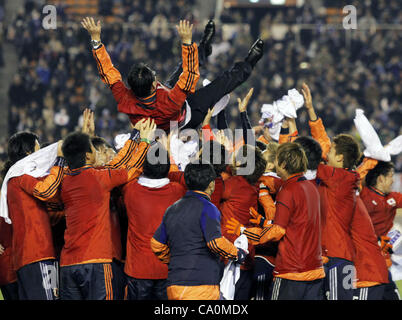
(209, 33)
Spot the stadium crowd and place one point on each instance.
(301, 216)
(56, 73)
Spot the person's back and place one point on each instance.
(190, 258)
(340, 186)
(86, 204)
(299, 250)
(188, 235)
(143, 223)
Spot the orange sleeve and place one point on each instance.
(191, 73)
(257, 235)
(137, 160)
(109, 74)
(161, 250)
(272, 233)
(223, 247)
(123, 157)
(318, 133)
(365, 167)
(45, 189)
(265, 199)
(262, 139)
(188, 78)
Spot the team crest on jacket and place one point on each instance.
(374, 202)
(391, 202)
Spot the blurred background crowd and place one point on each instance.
(345, 69)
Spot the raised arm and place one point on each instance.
(316, 126)
(47, 188)
(189, 77)
(245, 122)
(109, 74)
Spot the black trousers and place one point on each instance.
(339, 275)
(284, 289)
(206, 97)
(369, 293)
(146, 289)
(90, 281)
(391, 290)
(262, 279)
(10, 291)
(38, 281)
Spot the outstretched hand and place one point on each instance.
(185, 31)
(94, 29)
(208, 117)
(243, 103)
(307, 96)
(88, 122)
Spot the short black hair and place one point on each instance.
(160, 168)
(75, 146)
(217, 155)
(20, 145)
(259, 164)
(98, 142)
(347, 146)
(261, 145)
(312, 149)
(381, 169)
(198, 176)
(140, 79)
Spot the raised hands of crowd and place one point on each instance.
(88, 122)
(308, 102)
(244, 102)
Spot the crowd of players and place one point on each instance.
(120, 226)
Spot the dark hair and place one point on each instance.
(381, 169)
(198, 176)
(75, 146)
(259, 165)
(20, 145)
(347, 146)
(292, 155)
(140, 79)
(216, 155)
(160, 169)
(98, 142)
(312, 149)
(261, 145)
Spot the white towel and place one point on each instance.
(372, 143)
(181, 152)
(37, 164)
(272, 115)
(120, 140)
(231, 274)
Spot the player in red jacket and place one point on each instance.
(298, 265)
(33, 254)
(153, 193)
(147, 97)
(382, 205)
(86, 259)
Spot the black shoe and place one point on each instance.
(255, 53)
(209, 33)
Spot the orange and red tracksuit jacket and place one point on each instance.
(143, 220)
(86, 196)
(32, 237)
(164, 104)
(371, 268)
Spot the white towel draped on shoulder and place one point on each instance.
(37, 164)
